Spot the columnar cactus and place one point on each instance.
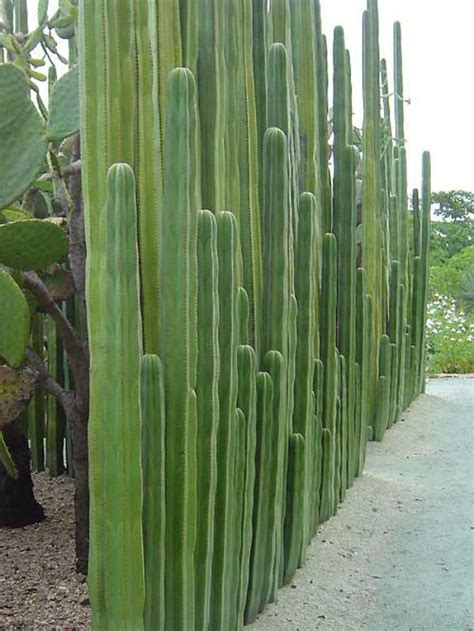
(116, 542)
(283, 327)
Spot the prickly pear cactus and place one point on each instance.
(16, 389)
(15, 319)
(22, 135)
(31, 244)
(63, 120)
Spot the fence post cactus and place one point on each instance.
(282, 328)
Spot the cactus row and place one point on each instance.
(281, 308)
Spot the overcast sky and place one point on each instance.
(438, 48)
(438, 44)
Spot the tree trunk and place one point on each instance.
(18, 506)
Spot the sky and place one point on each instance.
(438, 52)
(438, 49)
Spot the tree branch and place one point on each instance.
(74, 348)
(65, 398)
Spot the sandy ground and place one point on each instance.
(398, 555)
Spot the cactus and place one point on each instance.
(208, 409)
(225, 564)
(178, 344)
(305, 288)
(32, 244)
(152, 401)
(22, 141)
(274, 364)
(55, 425)
(328, 357)
(295, 519)
(279, 359)
(15, 318)
(247, 402)
(425, 254)
(36, 409)
(63, 118)
(116, 545)
(16, 389)
(258, 567)
(382, 409)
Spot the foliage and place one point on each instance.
(446, 279)
(453, 230)
(449, 337)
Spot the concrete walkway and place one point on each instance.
(399, 553)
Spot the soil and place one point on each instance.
(398, 556)
(39, 588)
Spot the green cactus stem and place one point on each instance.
(115, 462)
(152, 399)
(178, 344)
(208, 410)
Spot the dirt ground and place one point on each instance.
(397, 557)
(39, 588)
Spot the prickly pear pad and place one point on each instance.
(31, 244)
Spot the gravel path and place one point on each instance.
(397, 557)
(399, 554)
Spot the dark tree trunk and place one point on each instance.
(18, 506)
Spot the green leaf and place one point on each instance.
(32, 244)
(15, 319)
(64, 106)
(22, 136)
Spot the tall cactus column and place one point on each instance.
(329, 359)
(178, 344)
(116, 542)
(208, 410)
(425, 255)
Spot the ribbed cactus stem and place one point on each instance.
(247, 402)
(258, 567)
(21, 16)
(152, 398)
(305, 288)
(225, 562)
(36, 409)
(208, 410)
(149, 172)
(382, 409)
(178, 344)
(116, 543)
(274, 364)
(295, 517)
(425, 257)
(55, 421)
(328, 357)
(318, 390)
